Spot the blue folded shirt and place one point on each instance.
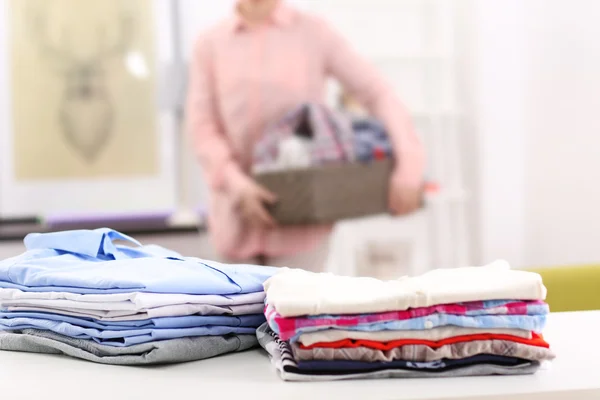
(190, 321)
(120, 338)
(89, 262)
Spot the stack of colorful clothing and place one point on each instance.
(80, 294)
(324, 136)
(448, 322)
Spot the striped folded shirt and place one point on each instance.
(528, 315)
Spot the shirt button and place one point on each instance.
(428, 324)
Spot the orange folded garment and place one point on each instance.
(536, 340)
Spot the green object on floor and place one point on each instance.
(574, 288)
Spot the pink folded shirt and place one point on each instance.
(292, 326)
(241, 79)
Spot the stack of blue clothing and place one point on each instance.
(79, 293)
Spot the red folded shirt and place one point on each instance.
(536, 340)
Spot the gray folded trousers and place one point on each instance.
(152, 353)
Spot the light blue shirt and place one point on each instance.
(190, 321)
(84, 261)
(120, 338)
(534, 323)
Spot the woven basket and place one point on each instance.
(327, 194)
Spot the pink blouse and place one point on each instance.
(244, 77)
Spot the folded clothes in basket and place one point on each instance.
(328, 134)
(315, 159)
(371, 141)
(315, 135)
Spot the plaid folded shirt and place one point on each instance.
(527, 315)
(332, 136)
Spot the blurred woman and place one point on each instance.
(248, 71)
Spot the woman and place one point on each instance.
(248, 71)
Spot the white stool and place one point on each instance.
(374, 246)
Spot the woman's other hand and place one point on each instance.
(252, 204)
(404, 198)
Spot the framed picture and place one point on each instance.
(81, 128)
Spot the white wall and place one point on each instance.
(563, 126)
(496, 73)
(534, 82)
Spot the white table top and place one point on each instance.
(574, 375)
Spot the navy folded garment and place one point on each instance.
(370, 138)
(344, 366)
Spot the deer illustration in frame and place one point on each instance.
(86, 110)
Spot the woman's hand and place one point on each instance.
(404, 198)
(252, 202)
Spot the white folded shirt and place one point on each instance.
(295, 292)
(434, 335)
(134, 301)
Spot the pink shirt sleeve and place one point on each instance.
(363, 80)
(203, 123)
